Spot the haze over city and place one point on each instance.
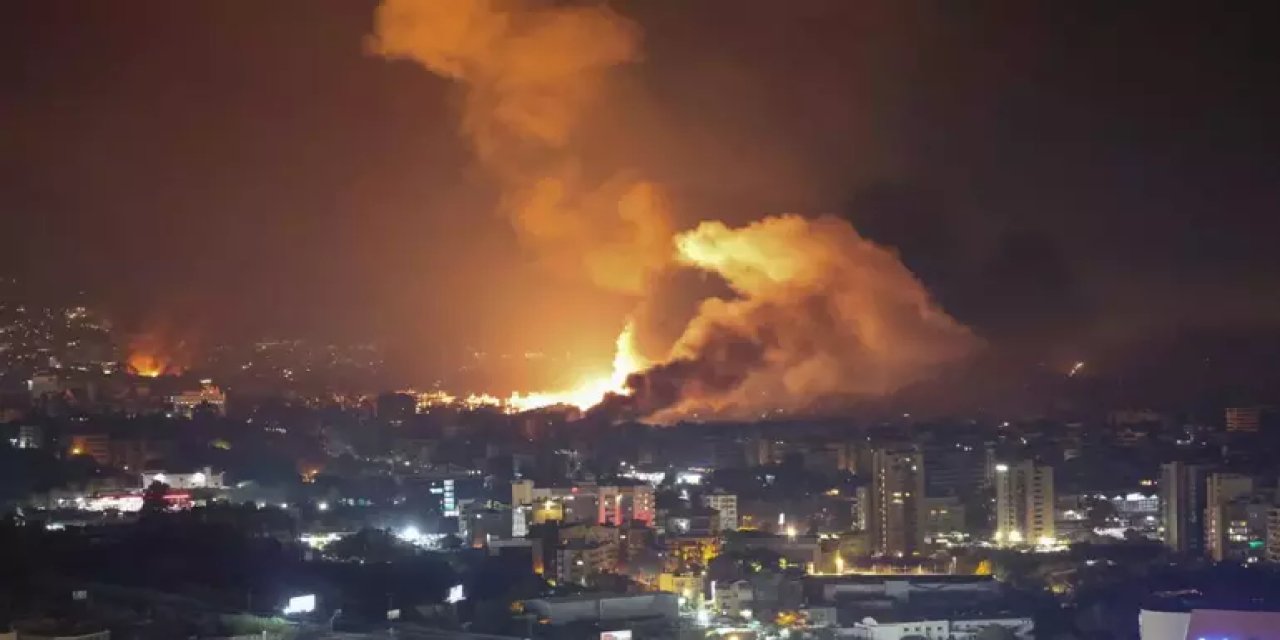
(795, 296)
(1069, 184)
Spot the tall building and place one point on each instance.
(727, 505)
(861, 507)
(1226, 523)
(1244, 419)
(1182, 506)
(896, 519)
(1024, 503)
(1273, 534)
(954, 469)
(945, 516)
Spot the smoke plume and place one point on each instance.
(813, 309)
(529, 74)
(819, 312)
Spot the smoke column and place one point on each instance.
(815, 310)
(819, 312)
(529, 73)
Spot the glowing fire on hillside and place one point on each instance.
(146, 365)
(592, 391)
(588, 393)
(816, 311)
(150, 356)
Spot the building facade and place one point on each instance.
(727, 505)
(1243, 419)
(1182, 506)
(1226, 524)
(602, 504)
(1024, 504)
(896, 519)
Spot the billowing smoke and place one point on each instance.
(814, 309)
(819, 312)
(529, 74)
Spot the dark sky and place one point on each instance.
(1065, 176)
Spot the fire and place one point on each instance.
(816, 311)
(148, 365)
(153, 354)
(588, 393)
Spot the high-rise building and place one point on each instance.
(954, 469)
(945, 516)
(1244, 419)
(1024, 503)
(727, 505)
(861, 507)
(1273, 534)
(1226, 524)
(896, 519)
(1182, 506)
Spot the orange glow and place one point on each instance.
(151, 356)
(818, 311)
(147, 365)
(589, 392)
(584, 395)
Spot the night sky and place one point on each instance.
(1067, 178)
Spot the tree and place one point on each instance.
(153, 498)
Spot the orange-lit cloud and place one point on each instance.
(529, 73)
(819, 313)
(817, 310)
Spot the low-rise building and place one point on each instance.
(686, 586)
(208, 397)
(579, 560)
(726, 504)
(30, 436)
(1195, 624)
(640, 610)
(585, 502)
(895, 628)
(204, 478)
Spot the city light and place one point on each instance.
(409, 534)
(300, 604)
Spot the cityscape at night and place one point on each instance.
(639, 320)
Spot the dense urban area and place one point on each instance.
(639, 320)
(177, 502)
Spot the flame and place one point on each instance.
(151, 355)
(150, 365)
(590, 392)
(817, 310)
